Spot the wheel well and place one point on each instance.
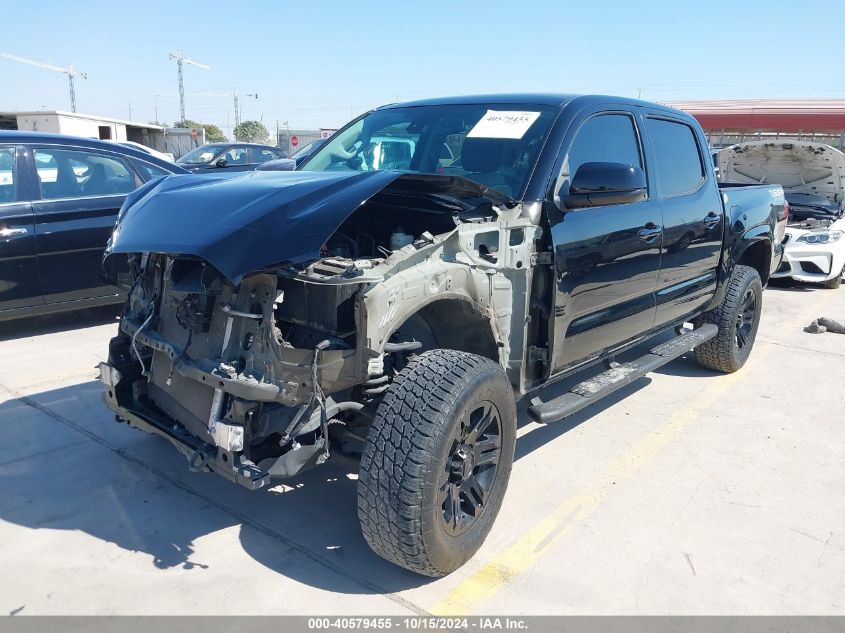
(759, 256)
(451, 324)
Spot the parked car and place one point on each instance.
(228, 157)
(276, 318)
(149, 150)
(295, 160)
(813, 177)
(59, 198)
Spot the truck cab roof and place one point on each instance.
(560, 100)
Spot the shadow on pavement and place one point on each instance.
(59, 322)
(73, 471)
(73, 468)
(790, 285)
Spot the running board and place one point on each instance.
(619, 375)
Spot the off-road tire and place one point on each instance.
(408, 447)
(834, 283)
(722, 352)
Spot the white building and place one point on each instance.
(85, 125)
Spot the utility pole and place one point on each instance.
(69, 71)
(180, 59)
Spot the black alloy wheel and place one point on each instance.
(745, 318)
(470, 471)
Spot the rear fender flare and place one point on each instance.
(758, 237)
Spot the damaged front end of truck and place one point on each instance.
(269, 313)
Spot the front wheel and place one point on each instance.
(437, 461)
(737, 318)
(834, 283)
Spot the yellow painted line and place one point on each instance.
(528, 548)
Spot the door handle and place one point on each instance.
(712, 218)
(650, 232)
(12, 232)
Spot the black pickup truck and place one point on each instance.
(429, 265)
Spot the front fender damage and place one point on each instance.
(263, 371)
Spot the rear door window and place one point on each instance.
(148, 171)
(237, 156)
(64, 173)
(676, 155)
(8, 175)
(262, 155)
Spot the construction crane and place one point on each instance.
(181, 59)
(69, 71)
(228, 92)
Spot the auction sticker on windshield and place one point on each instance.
(498, 124)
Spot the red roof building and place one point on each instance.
(740, 120)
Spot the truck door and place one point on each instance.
(81, 191)
(19, 283)
(606, 257)
(691, 206)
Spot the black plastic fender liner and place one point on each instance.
(619, 375)
(294, 461)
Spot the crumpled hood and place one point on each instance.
(260, 219)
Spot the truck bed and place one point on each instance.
(757, 205)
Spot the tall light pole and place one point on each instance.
(69, 71)
(180, 59)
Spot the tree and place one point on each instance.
(251, 132)
(213, 134)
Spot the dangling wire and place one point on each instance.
(137, 332)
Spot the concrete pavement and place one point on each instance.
(686, 493)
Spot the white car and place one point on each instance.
(149, 150)
(813, 179)
(814, 252)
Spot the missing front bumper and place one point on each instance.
(203, 456)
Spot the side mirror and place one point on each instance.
(602, 184)
(221, 162)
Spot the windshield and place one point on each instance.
(491, 144)
(200, 155)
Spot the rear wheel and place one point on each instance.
(437, 461)
(737, 318)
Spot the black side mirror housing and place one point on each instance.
(602, 184)
(221, 162)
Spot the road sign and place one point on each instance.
(326, 133)
(294, 141)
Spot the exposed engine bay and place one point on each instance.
(262, 377)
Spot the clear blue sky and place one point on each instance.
(314, 63)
